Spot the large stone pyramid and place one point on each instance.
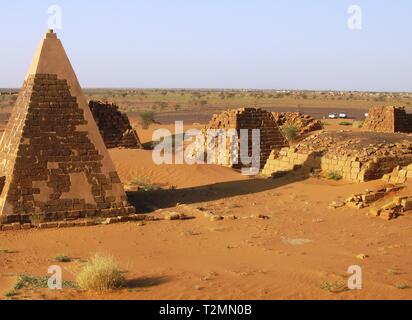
(52, 155)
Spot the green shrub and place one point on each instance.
(357, 124)
(333, 175)
(402, 286)
(146, 118)
(144, 183)
(62, 258)
(11, 294)
(100, 274)
(291, 132)
(35, 282)
(334, 287)
(345, 123)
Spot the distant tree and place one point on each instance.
(146, 118)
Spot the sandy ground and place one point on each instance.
(299, 247)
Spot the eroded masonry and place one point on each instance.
(114, 126)
(388, 119)
(355, 156)
(246, 118)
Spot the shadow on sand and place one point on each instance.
(146, 282)
(146, 202)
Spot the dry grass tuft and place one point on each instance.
(100, 274)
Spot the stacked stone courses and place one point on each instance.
(249, 119)
(388, 119)
(53, 162)
(114, 126)
(357, 157)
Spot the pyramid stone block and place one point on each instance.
(52, 155)
(114, 126)
(388, 119)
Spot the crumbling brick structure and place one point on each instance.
(114, 126)
(388, 119)
(356, 156)
(303, 122)
(399, 175)
(51, 153)
(247, 118)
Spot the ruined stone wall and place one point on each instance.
(346, 157)
(114, 126)
(289, 159)
(388, 119)
(399, 175)
(246, 118)
(303, 122)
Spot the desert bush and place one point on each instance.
(291, 132)
(10, 294)
(146, 118)
(345, 123)
(37, 282)
(334, 287)
(333, 175)
(62, 258)
(100, 274)
(402, 286)
(144, 183)
(357, 124)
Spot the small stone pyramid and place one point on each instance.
(53, 158)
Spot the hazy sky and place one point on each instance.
(297, 44)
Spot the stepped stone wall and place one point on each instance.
(388, 119)
(114, 126)
(350, 158)
(399, 175)
(246, 118)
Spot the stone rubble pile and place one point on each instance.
(363, 200)
(303, 122)
(393, 209)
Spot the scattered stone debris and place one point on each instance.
(336, 204)
(263, 217)
(79, 223)
(318, 220)
(388, 119)
(363, 200)
(393, 209)
(172, 216)
(295, 242)
(202, 212)
(303, 122)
